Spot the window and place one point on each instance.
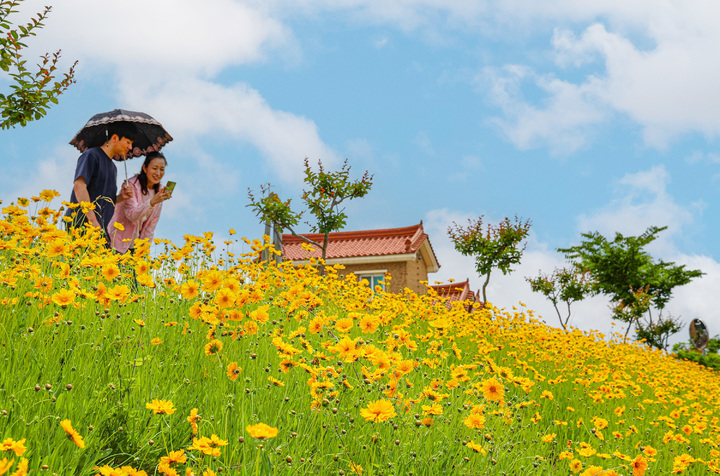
(373, 280)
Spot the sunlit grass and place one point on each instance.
(215, 363)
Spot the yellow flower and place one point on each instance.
(213, 347)
(377, 411)
(161, 406)
(434, 409)
(72, 434)
(261, 430)
(190, 289)
(549, 437)
(575, 465)
(475, 421)
(118, 226)
(193, 419)
(233, 371)
(344, 325)
(18, 447)
(110, 271)
(63, 297)
(493, 390)
(476, 447)
(639, 465)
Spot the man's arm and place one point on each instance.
(82, 195)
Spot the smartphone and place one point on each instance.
(170, 187)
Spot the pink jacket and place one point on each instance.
(137, 217)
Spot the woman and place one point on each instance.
(137, 217)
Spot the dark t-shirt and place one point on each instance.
(100, 176)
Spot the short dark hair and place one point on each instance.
(122, 129)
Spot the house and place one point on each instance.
(458, 292)
(403, 253)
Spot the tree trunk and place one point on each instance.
(487, 280)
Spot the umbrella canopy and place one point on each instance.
(150, 134)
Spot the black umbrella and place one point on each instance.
(150, 135)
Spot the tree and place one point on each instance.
(492, 246)
(31, 92)
(566, 285)
(325, 193)
(709, 357)
(635, 283)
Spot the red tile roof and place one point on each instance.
(346, 244)
(456, 292)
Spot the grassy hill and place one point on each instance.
(193, 360)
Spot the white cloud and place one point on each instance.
(194, 107)
(564, 123)
(162, 37)
(642, 200)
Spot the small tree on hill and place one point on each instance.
(493, 246)
(635, 283)
(31, 92)
(566, 285)
(325, 193)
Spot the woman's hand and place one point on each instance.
(161, 196)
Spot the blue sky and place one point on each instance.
(581, 116)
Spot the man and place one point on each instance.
(96, 178)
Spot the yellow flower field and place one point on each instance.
(191, 360)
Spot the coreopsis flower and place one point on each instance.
(193, 419)
(64, 297)
(576, 466)
(260, 315)
(213, 347)
(190, 289)
(475, 421)
(141, 267)
(118, 226)
(316, 325)
(57, 247)
(593, 471)
(639, 465)
(72, 434)
(17, 447)
(166, 462)
(434, 409)
(600, 423)
(212, 280)
(378, 411)
(209, 446)
(110, 272)
(48, 195)
(650, 451)
(493, 390)
(344, 325)
(369, 324)
(145, 280)
(22, 468)
(261, 431)
(356, 468)
(233, 371)
(156, 341)
(225, 298)
(163, 407)
(119, 292)
(476, 447)
(548, 438)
